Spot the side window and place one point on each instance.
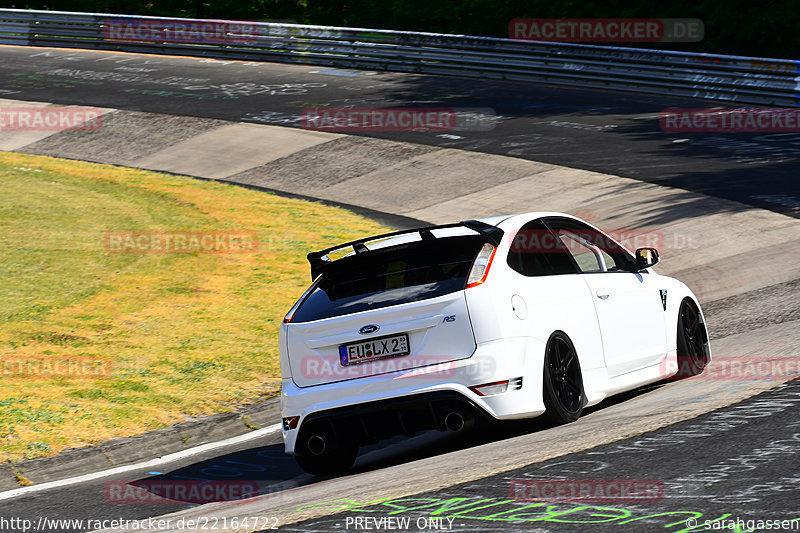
(609, 261)
(536, 251)
(588, 258)
(606, 251)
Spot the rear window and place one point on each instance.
(391, 276)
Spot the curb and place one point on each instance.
(399, 222)
(130, 450)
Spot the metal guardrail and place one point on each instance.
(742, 80)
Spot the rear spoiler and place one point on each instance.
(320, 260)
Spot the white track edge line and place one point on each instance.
(13, 493)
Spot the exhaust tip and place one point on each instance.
(316, 445)
(454, 421)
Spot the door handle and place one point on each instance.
(602, 293)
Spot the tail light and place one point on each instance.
(290, 422)
(299, 302)
(480, 268)
(293, 310)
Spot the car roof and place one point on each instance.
(522, 218)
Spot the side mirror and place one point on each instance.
(645, 258)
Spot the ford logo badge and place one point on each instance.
(369, 328)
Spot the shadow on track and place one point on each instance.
(267, 470)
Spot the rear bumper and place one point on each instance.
(407, 401)
(370, 422)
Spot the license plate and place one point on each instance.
(356, 353)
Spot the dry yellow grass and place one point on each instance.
(184, 333)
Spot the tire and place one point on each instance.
(692, 341)
(338, 455)
(562, 383)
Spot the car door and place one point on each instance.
(557, 299)
(627, 303)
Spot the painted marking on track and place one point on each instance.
(146, 464)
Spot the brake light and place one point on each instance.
(480, 268)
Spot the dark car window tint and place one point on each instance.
(535, 251)
(391, 276)
(617, 259)
(585, 257)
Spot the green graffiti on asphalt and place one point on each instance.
(504, 510)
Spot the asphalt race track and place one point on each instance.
(738, 461)
(607, 132)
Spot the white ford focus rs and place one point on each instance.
(501, 318)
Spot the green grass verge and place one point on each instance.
(176, 334)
